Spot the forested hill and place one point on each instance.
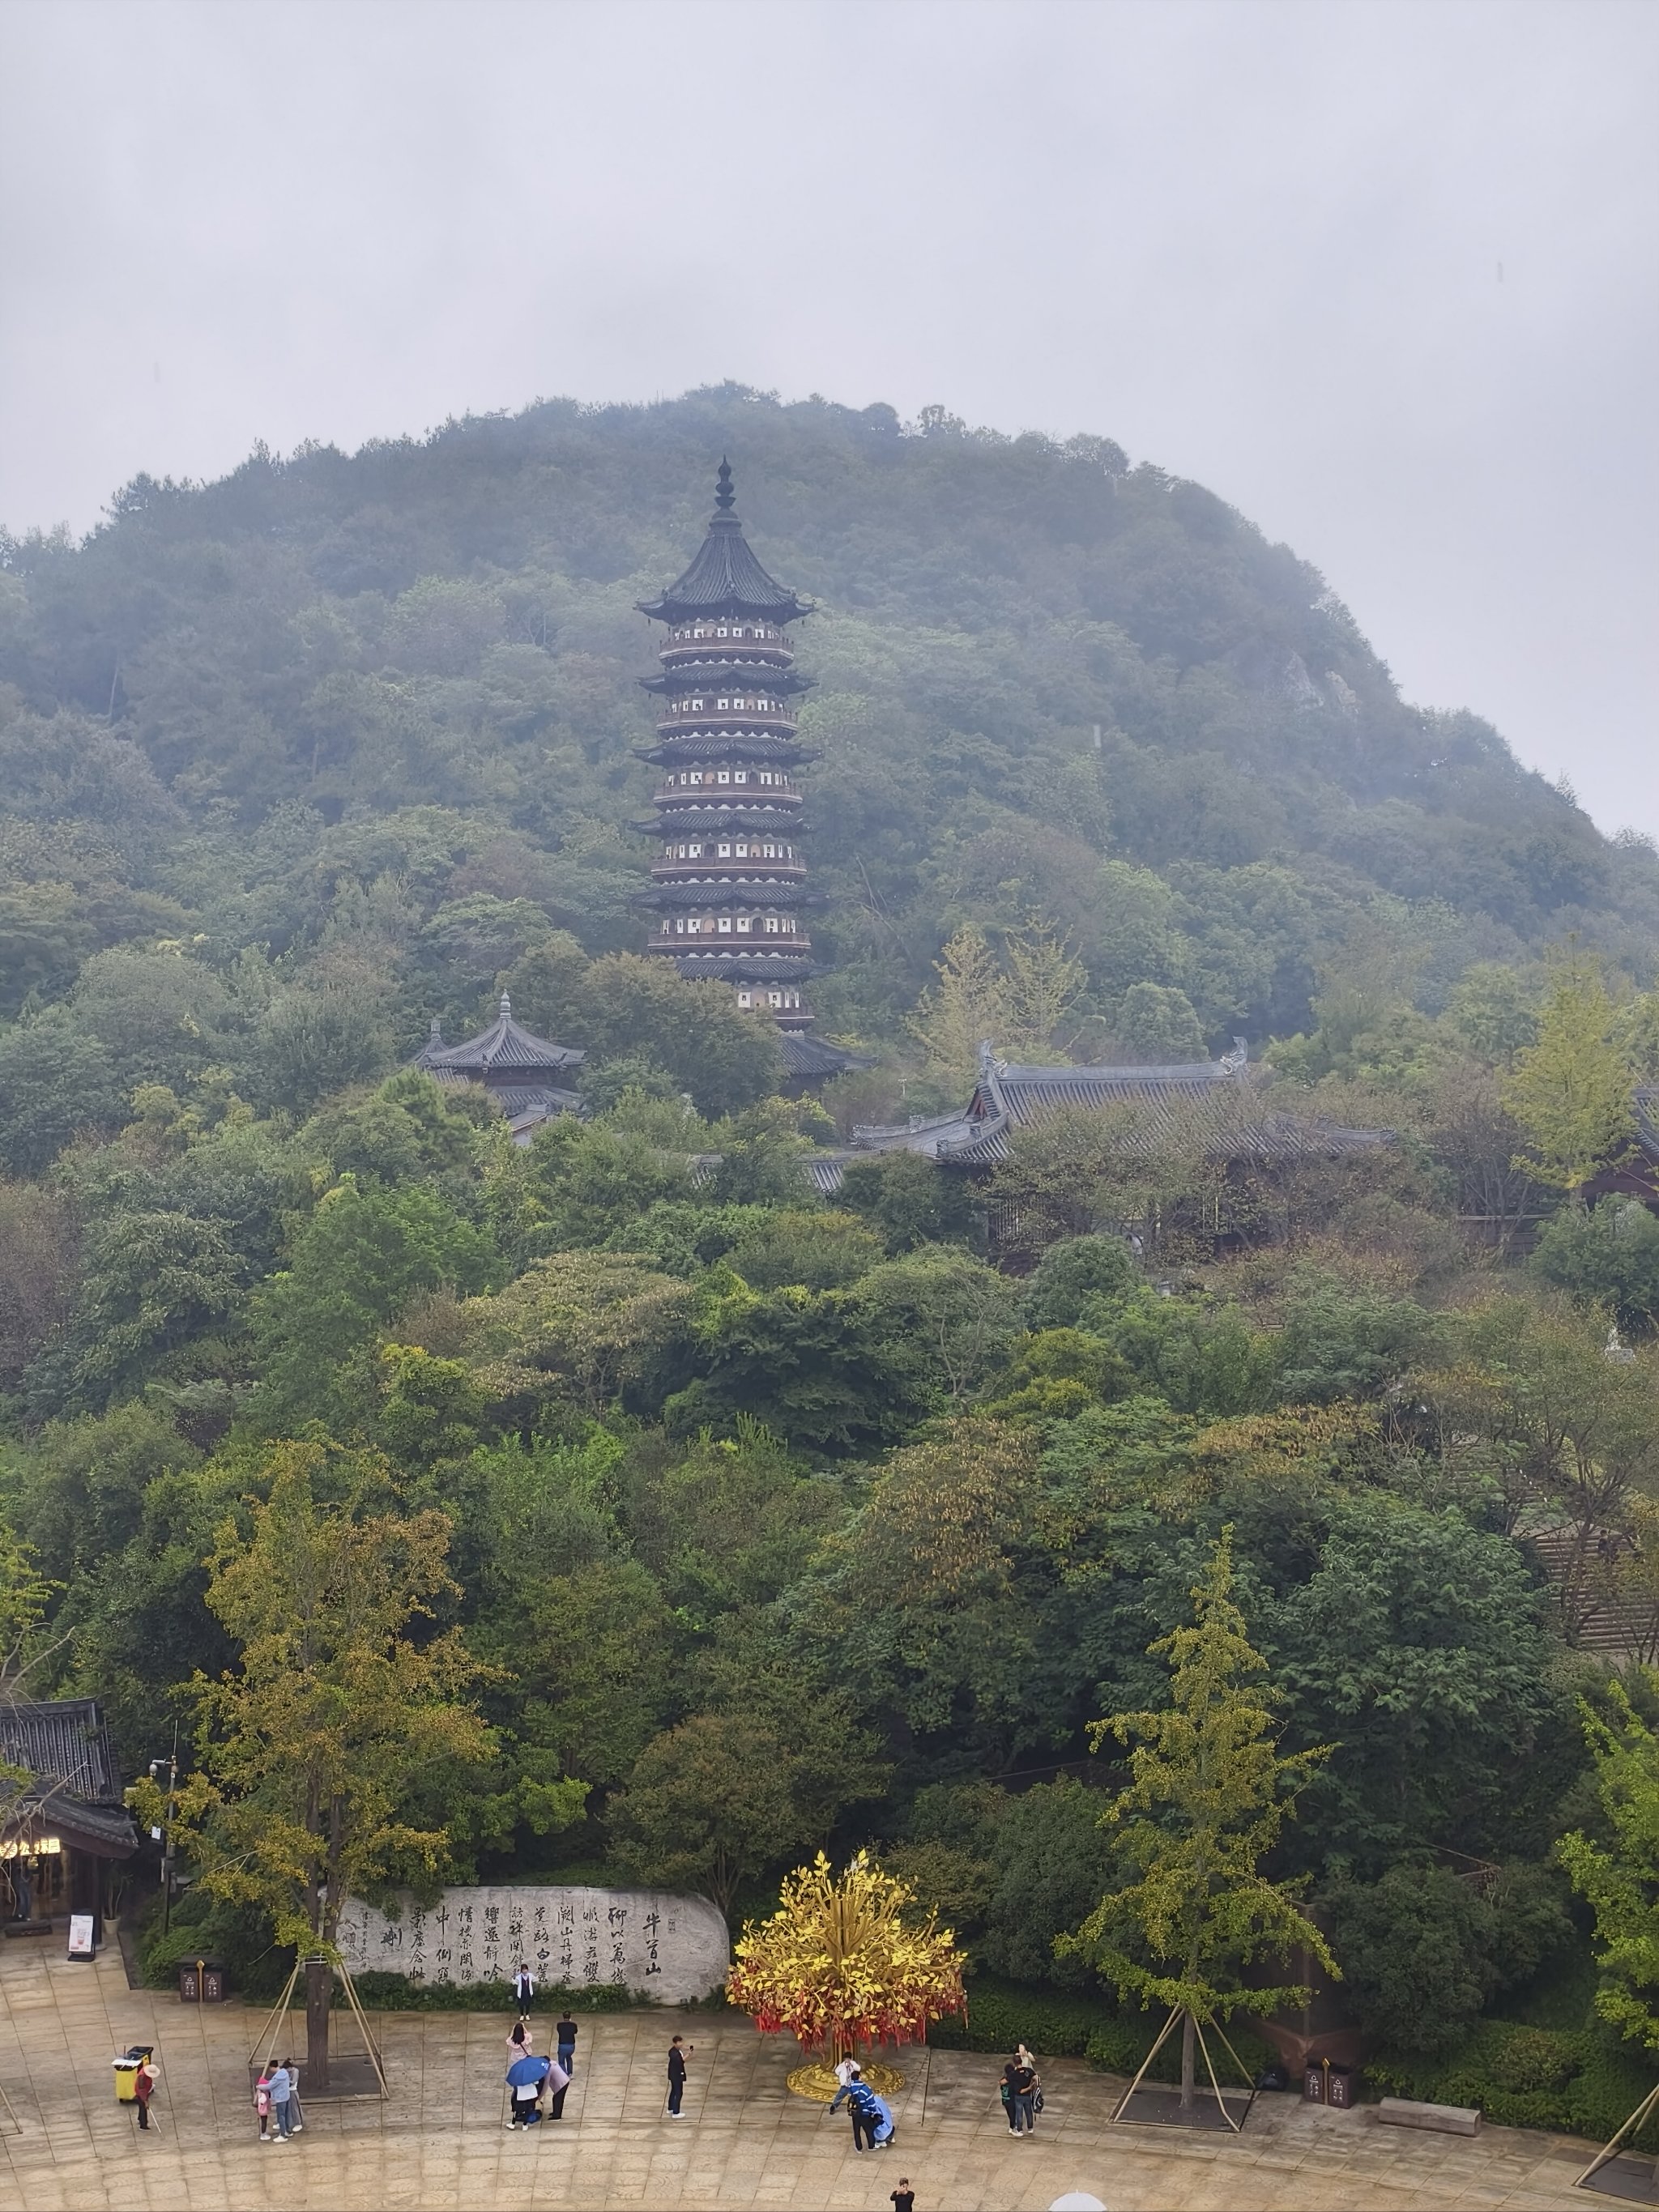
(387, 700)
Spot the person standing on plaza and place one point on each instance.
(862, 2106)
(565, 2036)
(678, 2052)
(903, 2197)
(296, 2118)
(281, 2082)
(518, 2043)
(262, 2103)
(143, 2087)
(1019, 2087)
(557, 2081)
(847, 2074)
(524, 1988)
(525, 2077)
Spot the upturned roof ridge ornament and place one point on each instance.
(725, 498)
(1236, 1061)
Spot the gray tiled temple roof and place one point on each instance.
(725, 577)
(65, 1744)
(809, 1058)
(1205, 1098)
(504, 1045)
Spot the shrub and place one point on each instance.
(381, 1992)
(1579, 2080)
(1002, 2013)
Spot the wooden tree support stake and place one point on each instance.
(1610, 2151)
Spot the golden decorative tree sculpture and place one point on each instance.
(837, 1967)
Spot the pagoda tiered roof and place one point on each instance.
(733, 824)
(709, 675)
(741, 890)
(725, 744)
(724, 577)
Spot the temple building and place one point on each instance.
(66, 1826)
(729, 880)
(528, 1075)
(1212, 1102)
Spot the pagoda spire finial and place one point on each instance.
(725, 497)
(507, 1007)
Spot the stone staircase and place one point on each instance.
(1597, 1616)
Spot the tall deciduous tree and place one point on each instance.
(309, 1748)
(1571, 1091)
(1210, 1793)
(1620, 1877)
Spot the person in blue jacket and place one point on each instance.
(870, 2115)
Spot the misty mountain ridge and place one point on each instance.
(1052, 687)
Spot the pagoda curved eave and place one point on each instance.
(696, 746)
(727, 891)
(723, 821)
(709, 675)
(740, 967)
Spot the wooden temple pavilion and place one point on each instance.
(528, 1075)
(729, 881)
(69, 1824)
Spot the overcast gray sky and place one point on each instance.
(1384, 275)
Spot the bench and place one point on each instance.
(1438, 2119)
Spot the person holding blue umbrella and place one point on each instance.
(525, 2077)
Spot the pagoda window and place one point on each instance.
(742, 852)
(726, 925)
(771, 924)
(744, 925)
(774, 998)
(725, 853)
(693, 927)
(745, 998)
(721, 631)
(723, 704)
(696, 776)
(724, 776)
(740, 775)
(696, 705)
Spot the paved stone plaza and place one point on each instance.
(744, 2142)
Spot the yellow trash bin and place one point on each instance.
(126, 2071)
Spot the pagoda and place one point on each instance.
(729, 882)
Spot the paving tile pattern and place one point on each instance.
(440, 2142)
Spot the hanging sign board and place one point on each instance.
(80, 1943)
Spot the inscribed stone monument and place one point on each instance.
(663, 1948)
